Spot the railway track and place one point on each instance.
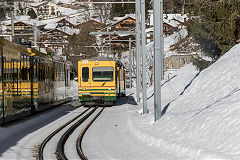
(60, 146)
(80, 137)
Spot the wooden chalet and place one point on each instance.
(64, 22)
(97, 25)
(123, 24)
(24, 30)
(45, 9)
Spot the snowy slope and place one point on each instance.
(201, 119)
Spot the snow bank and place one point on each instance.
(201, 119)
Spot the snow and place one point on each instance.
(68, 30)
(119, 19)
(66, 11)
(25, 19)
(50, 26)
(172, 39)
(64, 1)
(38, 4)
(172, 23)
(172, 17)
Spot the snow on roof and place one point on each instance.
(26, 20)
(66, 11)
(177, 17)
(38, 3)
(123, 18)
(51, 23)
(149, 30)
(68, 30)
(172, 23)
(50, 26)
(72, 20)
(64, 1)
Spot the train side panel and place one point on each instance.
(27, 81)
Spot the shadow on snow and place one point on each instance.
(19, 129)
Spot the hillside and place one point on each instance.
(201, 117)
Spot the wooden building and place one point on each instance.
(24, 29)
(96, 25)
(45, 9)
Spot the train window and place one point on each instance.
(41, 70)
(0, 73)
(15, 71)
(24, 68)
(71, 76)
(35, 69)
(102, 74)
(85, 74)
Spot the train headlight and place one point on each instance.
(109, 89)
(84, 89)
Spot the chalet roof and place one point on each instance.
(176, 17)
(51, 23)
(172, 23)
(73, 20)
(132, 16)
(149, 30)
(50, 26)
(70, 20)
(91, 20)
(68, 30)
(66, 11)
(26, 20)
(39, 3)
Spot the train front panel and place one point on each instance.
(97, 82)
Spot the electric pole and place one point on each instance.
(138, 49)
(158, 55)
(12, 22)
(144, 68)
(130, 62)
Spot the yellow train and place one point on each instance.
(101, 81)
(30, 80)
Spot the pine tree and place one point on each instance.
(119, 10)
(217, 25)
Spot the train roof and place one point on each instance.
(118, 62)
(101, 59)
(23, 49)
(9, 44)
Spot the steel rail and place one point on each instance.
(46, 140)
(65, 136)
(80, 137)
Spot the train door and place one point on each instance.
(84, 77)
(47, 84)
(7, 89)
(15, 84)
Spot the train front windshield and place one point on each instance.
(102, 74)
